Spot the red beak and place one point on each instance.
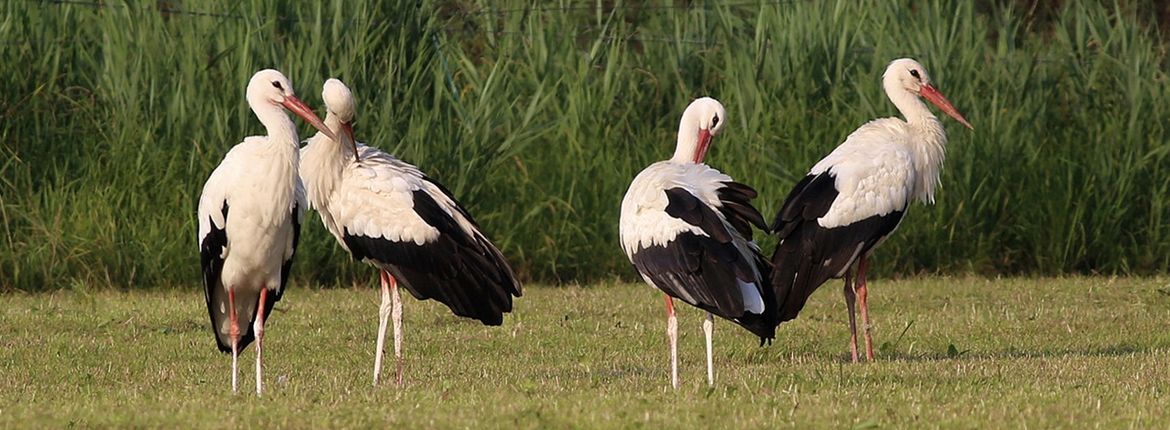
(302, 110)
(928, 92)
(704, 143)
(347, 133)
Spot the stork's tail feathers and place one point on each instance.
(763, 325)
(760, 325)
(221, 319)
(795, 277)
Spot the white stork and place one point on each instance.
(687, 229)
(856, 196)
(249, 220)
(388, 213)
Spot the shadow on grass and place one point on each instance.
(1012, 353)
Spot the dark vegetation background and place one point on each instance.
(112, 114)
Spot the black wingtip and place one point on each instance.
(493, 321)
(737, 208)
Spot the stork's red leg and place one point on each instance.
(709, 331)
(383, 315)
(396, 316)
(850, 301)
(863, 297)
(672, 338)
(258, 329)
(234, 333)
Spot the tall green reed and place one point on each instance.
(538, 117)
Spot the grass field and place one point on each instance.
(954, 353)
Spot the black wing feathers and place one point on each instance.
(463, 271)
(763, 325)
(210, 256)
(683, 205)
(211, 261)
(706, 268)
(697, 267)
(737, 208)
(286, 268)
(808, 254)
(810, 199)
(490, 260)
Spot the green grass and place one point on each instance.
(538, 118)
(953, 353)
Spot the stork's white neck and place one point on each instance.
(688, 140)
(927, 140)
(323, 163)
(331, 155)
(908, 103)
(343, 152)
(281, 129)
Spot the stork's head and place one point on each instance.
(270, 89)
(270, 86)
(907, 75)
(338, 100)
(339, 105)
(702, 120)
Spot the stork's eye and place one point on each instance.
(914, 73)
(715, 121)
(277, 85)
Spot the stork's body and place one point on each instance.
(389, 214)
(687, 229)
(855, 197)
(249, 221)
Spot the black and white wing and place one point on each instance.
(241, 241)
(212, 213)
(687, 229)
(390, 214)
(847, 204)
